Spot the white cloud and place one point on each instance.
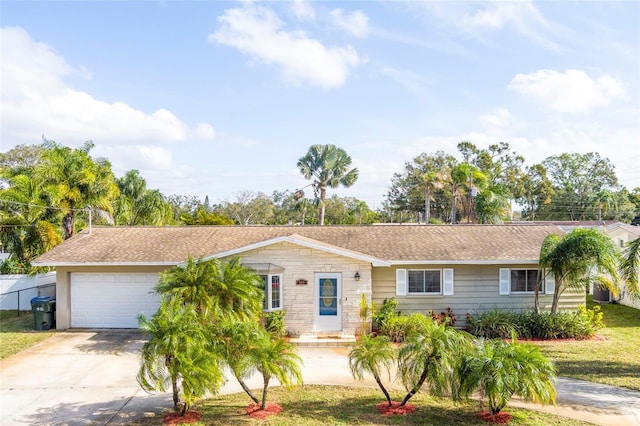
(498, 121)
(355, 23)
(303, 10)
(36, 100)
(257, 31)
(205, 131)
(572, 91)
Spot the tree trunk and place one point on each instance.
(556, 297)
(382, 388)
(454, 210)
(413, 391)
(68, 222)
(244, 387)
(323, 194)
(427, 207)
(176, 392)
(265, 390)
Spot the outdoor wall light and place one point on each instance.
(357, 276)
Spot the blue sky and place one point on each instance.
(215, 98)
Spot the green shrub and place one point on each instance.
(528, 324)
(400, 327)
(492, 324)
(274, 323)
(385, 313)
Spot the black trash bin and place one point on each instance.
(44, 309)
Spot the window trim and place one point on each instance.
(269, 293)
(431, 293)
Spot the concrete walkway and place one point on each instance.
(88, 378)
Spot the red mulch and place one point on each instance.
(177, 419)
(255, 412)
(395, 408)
(500, 418)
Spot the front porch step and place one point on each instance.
(324, 340)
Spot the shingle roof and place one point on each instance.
(388, 243)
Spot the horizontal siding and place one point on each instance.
(476, 289)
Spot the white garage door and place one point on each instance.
(112, 300)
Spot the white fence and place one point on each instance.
(16, 291)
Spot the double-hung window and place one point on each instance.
(272, 286)
(424, 281)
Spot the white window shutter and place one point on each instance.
(447, 288)
(549, 283)
(401, 282)
(505, 281)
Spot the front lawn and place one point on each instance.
(17, 333)
(340, 405)
(612, 360)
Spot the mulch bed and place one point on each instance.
(395, 408)
(177, 419)
(595, 338)
(255, 412)
(500, 418)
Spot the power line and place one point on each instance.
(40, 206)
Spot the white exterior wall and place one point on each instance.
(298, 300)
(15, 283)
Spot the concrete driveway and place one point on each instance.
(77, 378)
(88, 378)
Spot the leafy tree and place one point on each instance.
(431, 355)
(535, 190)
(422, 186)
(138, 205)
(20, 160)
(578, 182)
(370, 355)
(248, 208)
(500, 370)
(581, 258)
(203, 217)
(75, 181)
(329, 167)
(184, 206)
(178, 353)
(463, 177)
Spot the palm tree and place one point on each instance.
(370, 355)
(241, 339)
(138, 205)
(276, 358)
(328, 166)
(630, 267)
(431, 355)
(501, 370)
(178, 353)
(582, 258)
(217, 288)
(75, 181)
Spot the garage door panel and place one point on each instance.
(112, 300)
